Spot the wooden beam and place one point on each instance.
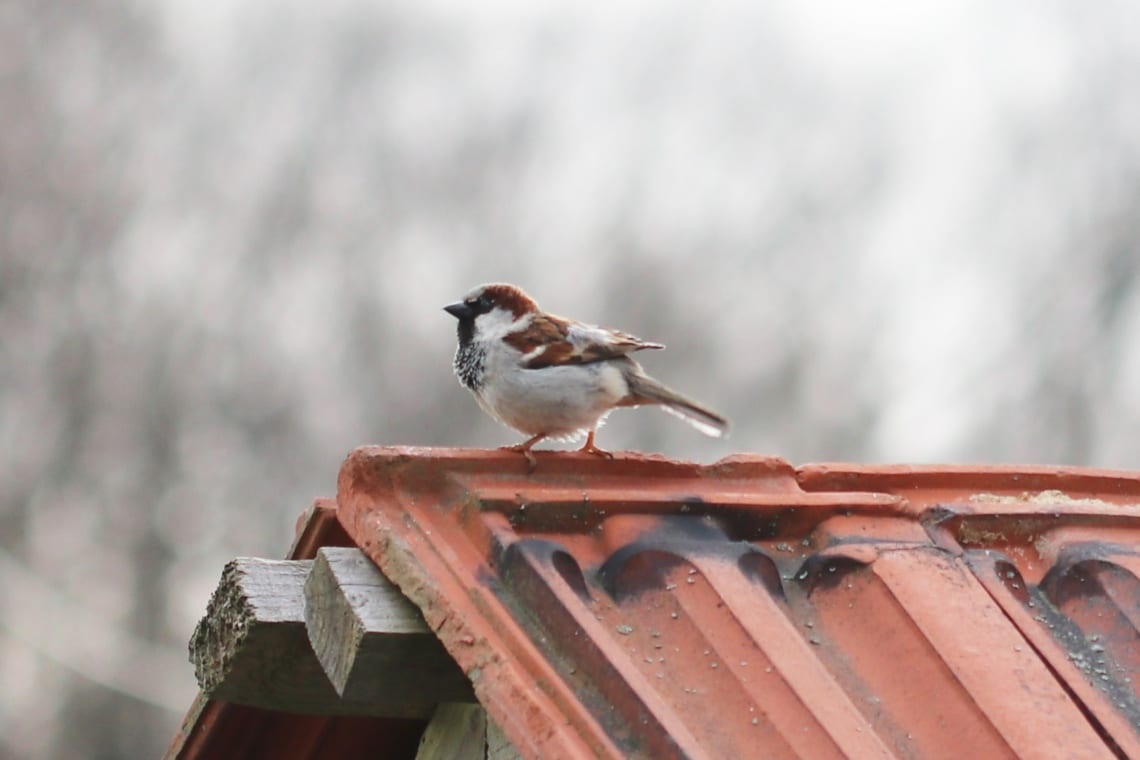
(373, 643)
(464, 732)
(252, 647)
(456, 732)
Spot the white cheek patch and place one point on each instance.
(498, 323)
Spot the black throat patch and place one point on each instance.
(468, 362)
(466, 330)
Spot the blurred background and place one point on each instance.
(877, 232)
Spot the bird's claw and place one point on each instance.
(532, 462)
(597, 452)
(524, 449)
(590, 448)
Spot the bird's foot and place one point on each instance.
(524, 448)
(590, 448)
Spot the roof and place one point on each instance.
(647, 607)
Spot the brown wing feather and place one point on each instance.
(558, 341)
(542, 331)
(616, 344)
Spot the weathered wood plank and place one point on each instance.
(373, 642)
(464, 732)
(456, 732)
(252, 647)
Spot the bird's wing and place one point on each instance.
(551, 341)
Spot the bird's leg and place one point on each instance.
(590, 448)
(524, 448)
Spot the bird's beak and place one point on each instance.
(459, 310)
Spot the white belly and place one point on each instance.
(555, 401)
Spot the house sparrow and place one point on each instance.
(551, 377)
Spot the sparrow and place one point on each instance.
(551, 377)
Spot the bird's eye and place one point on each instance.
(482, 304)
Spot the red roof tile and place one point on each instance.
(655, 608)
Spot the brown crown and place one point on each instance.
(510, 298)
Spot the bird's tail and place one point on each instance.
(645, 390)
